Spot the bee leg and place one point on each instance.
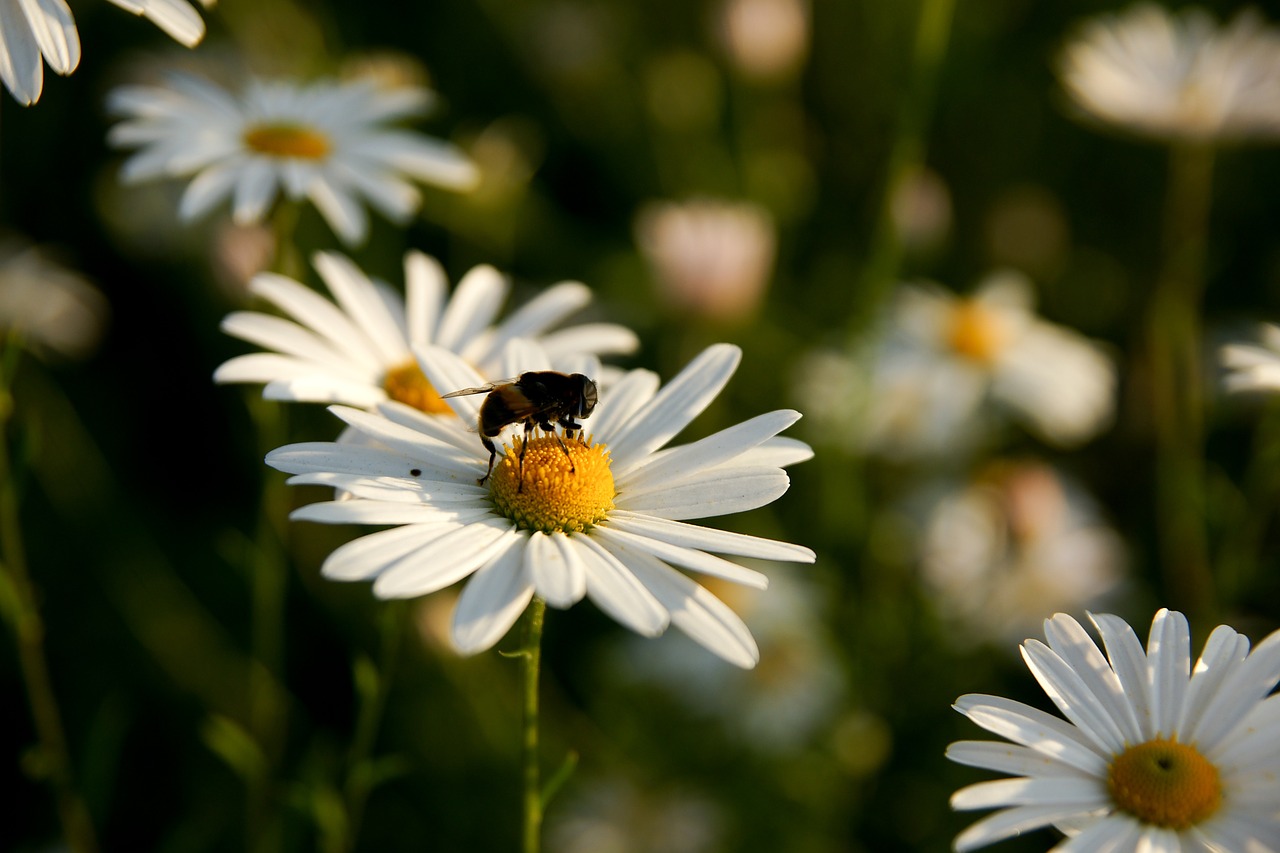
(524, 445)
(572, 470)
(493, 452)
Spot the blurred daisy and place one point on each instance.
(55, 310)
(1016, 543)
(612, 814)
(1154, 755)
(359, 350)
(1254, 366)
(944, 357)
(1180, 76)
(710, 258)
(327, 142)
(601, 517)
(34, 32)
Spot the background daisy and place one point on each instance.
(330, 143)
(358, 350)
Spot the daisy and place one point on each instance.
(944, 358)
(1254, 366)
(1180, 76)
(602, 515)
(327, 142)
(44, 30)
(1154, 755)
(1015, 542)
(359, 350)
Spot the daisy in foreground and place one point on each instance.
(44, 30)
(601, 515)
(1154, 755)
(327, 142)
(359, 351)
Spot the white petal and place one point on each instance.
(1009, 758)
(373, 512)
(598, 338)
(359, 298)
(313, 311)
(1081, 655)
(448, 373)
(445, 428)
(1110, 835)
(491, 602)
(616, 591)
(1245, 686)
(368, 555)
(1129, 662)
(20, 65)
(1082, 792)
(536, 316)
(176, 17)
(476, 301)
(425, 289)
(557, 572)
(719, 491)
(254, 191)
(620, 401)
(317, 388)
(1169, 663)
(688, 558)
(1223, 653)
(708, 538)
(678, 403)
(206, 189)
(341, 209)
(1069, 692)
(446, 560)
(1011, 822)
(55, 33)
(678, 462)
(1033, 728)
(695, 611)
(285, 336)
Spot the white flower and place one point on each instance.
(54, 309)
(33, 32)
(600, 517)
(327, 142)
(1254, 366)
(1177, 76)
(1016, 542)
(1154, 755)
(945, 356)
(359, 351)
(711, 258)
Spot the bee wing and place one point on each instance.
(480, 389)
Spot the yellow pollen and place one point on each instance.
(287, 140)
(1165, 783)
(976, 332)
(552, 496)
(406, 384)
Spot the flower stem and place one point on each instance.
(18, 603)
(531, 660)
(1175, 344)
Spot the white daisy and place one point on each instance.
(359, 350)
(1154, 756)
(1179, 76)
(944, 357)
(1254, 366)
(601, 517)
(327, 142)
(34, 32)
(1013, 543)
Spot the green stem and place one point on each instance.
(906, 156)
(369, 720)
(531, 659)
(23, 615)
(1178, 408)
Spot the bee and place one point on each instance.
(537, 398)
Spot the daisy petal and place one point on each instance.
(555, 569)
(447, 559)
(719, 491)
(679, 462)
(686, 557)
(708, 538)
(616, 591)
(491, 602)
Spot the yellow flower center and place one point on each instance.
(287, 140)
(407, 384)
(1165, 783)
(557, 492)
(976, 332)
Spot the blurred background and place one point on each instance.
(755, 171)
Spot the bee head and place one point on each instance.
(587, 395)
